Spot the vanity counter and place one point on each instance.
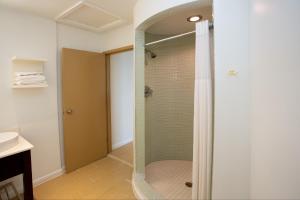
(16, 161)
(23, 145)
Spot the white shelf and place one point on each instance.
(23, 59)
(29, 86)
(25, 64)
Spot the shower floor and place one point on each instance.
(168, 178)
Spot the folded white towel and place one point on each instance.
(27, 73)
(31, 78)
(29, 82)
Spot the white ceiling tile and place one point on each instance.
(123, 8)
(90, 16)
(116, 12)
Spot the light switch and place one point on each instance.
(232, 72)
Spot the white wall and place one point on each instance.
(34, 111)
(275, 70)
(74, 38)
(257, 113)
(119, 37)
(121, 84)
(231, 166)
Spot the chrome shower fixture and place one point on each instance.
(148, 91)
(153, 55)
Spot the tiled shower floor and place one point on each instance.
(168, 178)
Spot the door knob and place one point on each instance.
(69, 111)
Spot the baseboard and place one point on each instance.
(117, 145)
(48, 177)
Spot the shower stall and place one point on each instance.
(169, 112)
(167, 147)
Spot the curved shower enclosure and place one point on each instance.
(166, 91)
(169, 112)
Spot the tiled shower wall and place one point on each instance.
(169, 111)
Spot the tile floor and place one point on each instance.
(168, 178)
(104, 179)
(124, 154)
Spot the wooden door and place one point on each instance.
(84, 107)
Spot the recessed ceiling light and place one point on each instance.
(194, 18)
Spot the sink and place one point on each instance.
(8, 140)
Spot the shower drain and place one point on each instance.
(189, 184)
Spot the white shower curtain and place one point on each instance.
(203, 103)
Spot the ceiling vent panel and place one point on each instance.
(89, 16)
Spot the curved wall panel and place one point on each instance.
(145, 9)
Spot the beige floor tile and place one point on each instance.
(106, 178)
(123, 190)
(124, 153)
(63, 187)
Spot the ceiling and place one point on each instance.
(176, 22)
(92, 15)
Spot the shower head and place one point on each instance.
(153, 55)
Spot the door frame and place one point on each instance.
(108, 96)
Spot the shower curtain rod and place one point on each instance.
(211, 26)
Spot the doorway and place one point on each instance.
(97, 90)
(84, 107)
(120, 87)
